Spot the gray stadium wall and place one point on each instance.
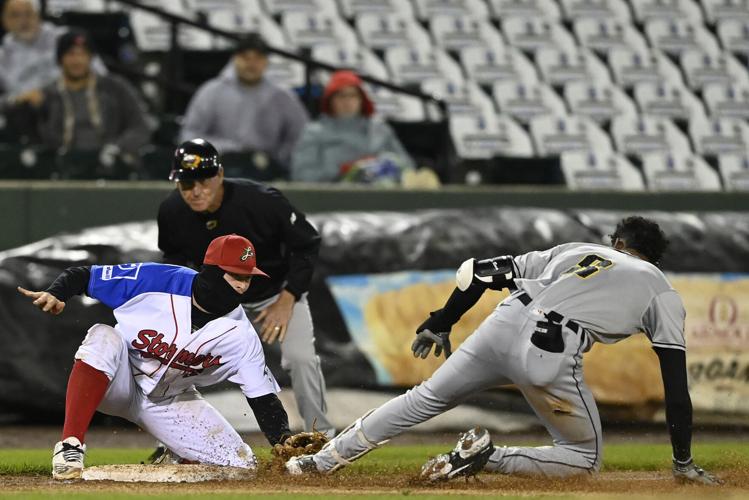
(38, 209)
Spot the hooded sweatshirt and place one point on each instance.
(235, 117)
(331, 142)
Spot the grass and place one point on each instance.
(383, 462)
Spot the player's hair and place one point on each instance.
(643, 235)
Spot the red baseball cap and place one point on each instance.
(233, 254)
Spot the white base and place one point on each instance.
(135, 473)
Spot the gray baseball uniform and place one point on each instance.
(600, 294)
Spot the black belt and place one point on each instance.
(553, 316)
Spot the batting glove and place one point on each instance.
(689, 472)
(425, 339)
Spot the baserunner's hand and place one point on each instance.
(424, 341)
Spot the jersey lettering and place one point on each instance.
(150, 344)
(589, 266)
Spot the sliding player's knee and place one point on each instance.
(102, 349)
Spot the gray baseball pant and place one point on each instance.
(298, 357)
(499, 352)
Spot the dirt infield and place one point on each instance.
(269, 482)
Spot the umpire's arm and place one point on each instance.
(303, 245)
(678, 404)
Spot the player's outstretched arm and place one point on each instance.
(72, 281)
(679, 417)
(44, 301)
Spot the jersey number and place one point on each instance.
(589, 266)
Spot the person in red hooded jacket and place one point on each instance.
(347, 133)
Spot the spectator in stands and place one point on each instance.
(240, 110)
(347, 137)
(85, 111)
(27, 53)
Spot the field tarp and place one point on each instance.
(422, 248)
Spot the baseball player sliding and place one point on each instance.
(564, 299)
(176, 330)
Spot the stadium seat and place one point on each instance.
(638, 135)
(719, 10)
(427, 9)
(727, 101)
(462, 99)
(281, 7)
(502, 9)
(718, 136)
(559, 67)
(701, 69)
(630, 67)
(396, 106)
(667, 101)
(553, 135)
(599, 9)
(479, 137)
(382, 31)
(647, 10)
(675, 36)
(312, 29)
(172, 6)
(56, 7)
(603, 35)
(412, 66)
(734, 169)
(457, 32)
(530, 34)
(590, 170)
(285, 72)
(679, 171)
(361, 60)
(524, 101)
(734, 36)
(601, 102)
(489, 65)
(241, 7)
(353, 8)
(244, 22)
(153, 34)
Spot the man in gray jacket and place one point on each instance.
(240, 110)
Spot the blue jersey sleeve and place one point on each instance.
(115, 285)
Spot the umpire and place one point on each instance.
(206, 205)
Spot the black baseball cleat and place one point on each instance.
(469, 456)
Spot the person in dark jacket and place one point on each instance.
(206, 205)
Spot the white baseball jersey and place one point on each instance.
(152, 304)
(610, 293)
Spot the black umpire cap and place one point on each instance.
(195, 159)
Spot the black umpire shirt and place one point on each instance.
(285, 243)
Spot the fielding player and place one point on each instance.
(206, 205)
(565, 299)
(176, 330)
